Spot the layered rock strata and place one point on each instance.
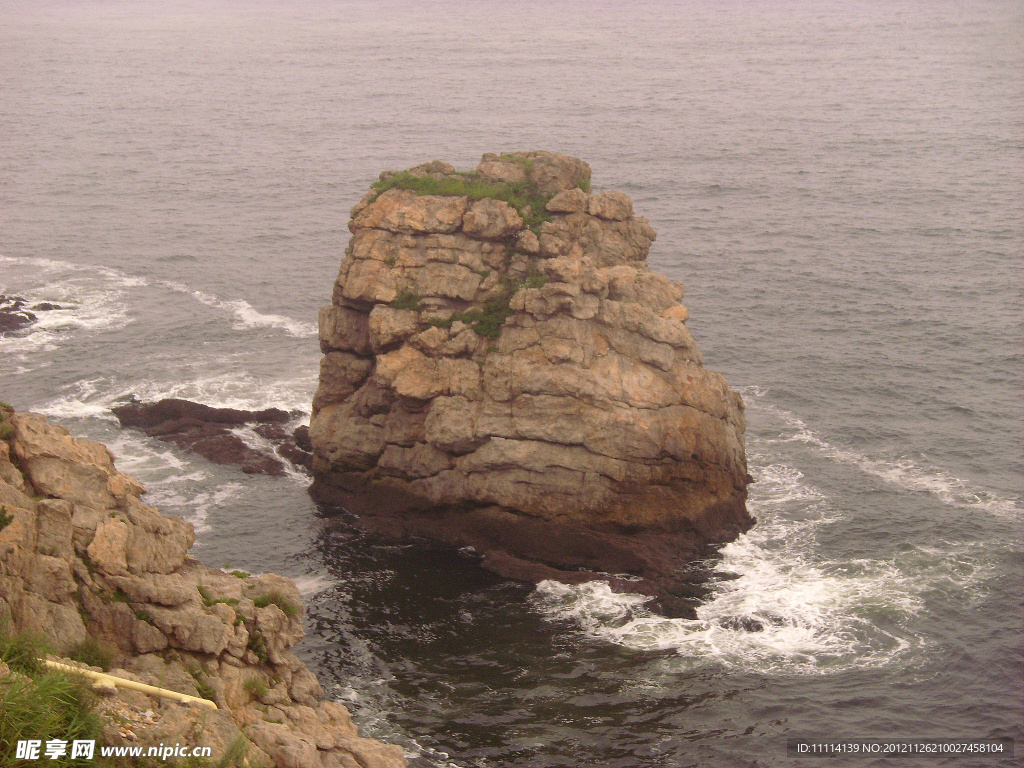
(81, 556)
(502, 370)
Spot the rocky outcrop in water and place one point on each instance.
(212, 433)
(502, 370)
(81, 556)
(16, 315)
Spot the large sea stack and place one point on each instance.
(502, 371)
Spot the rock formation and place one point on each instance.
(502, 370)
(81, 556)
(210, 432)
(15, 315)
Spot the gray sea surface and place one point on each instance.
(839, 185)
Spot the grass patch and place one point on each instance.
(209, 600)
(41, 704)
(203, 687)
(258, 645)
(145, 616)
(6, 428)
(117, 596)
(5, 519)
(488, 320)
(241, 574)
(522, 195)
(441, 322)
(23, 652)
(256, 687)
(406, 300)
(47, 706)
(94, 652)
(282, 602)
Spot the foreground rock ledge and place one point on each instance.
(516, 379)
(82, 557)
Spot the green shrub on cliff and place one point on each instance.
(287, 606)
(488, 320)
(406, 300)
(94, 652)
(38, 704)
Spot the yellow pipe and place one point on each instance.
(106, 679)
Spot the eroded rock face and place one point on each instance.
(81, 556)
(473, 364)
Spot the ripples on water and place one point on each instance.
(838, 186)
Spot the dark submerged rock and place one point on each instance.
(207, 431)
(13, 315)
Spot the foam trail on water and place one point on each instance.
(259, 443)
(89, 299)
(245, 314)
(781, 608)
(93, 398)
(903, 472)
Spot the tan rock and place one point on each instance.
(421, 460)
(53, 528)
(452, 281)
(390, 326)
(370, 281)
(156, 543)
(402, 210)
(65, 467)
(108, 550)
(582, 397)
(610, 205)
(491, 219)
(9, 473)
(341, 373)
(528, 242)
(344, 329)
(550, 172)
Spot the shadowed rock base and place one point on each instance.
(533, 549)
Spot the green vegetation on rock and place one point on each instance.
(522, 195)
(406, 300)
(276, 598)
(38, 704)
(93, 652)
(487, 321)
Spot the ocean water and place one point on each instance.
(839, 186)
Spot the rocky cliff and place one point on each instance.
(81, 556)
(502, 370)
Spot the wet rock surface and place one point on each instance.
(214, 433)
(16, 315)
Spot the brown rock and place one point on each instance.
(402, 210)
(492, 219)
(557, 383)
(610, 205)
(344, 329)
(568, 201)
(341, 373)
